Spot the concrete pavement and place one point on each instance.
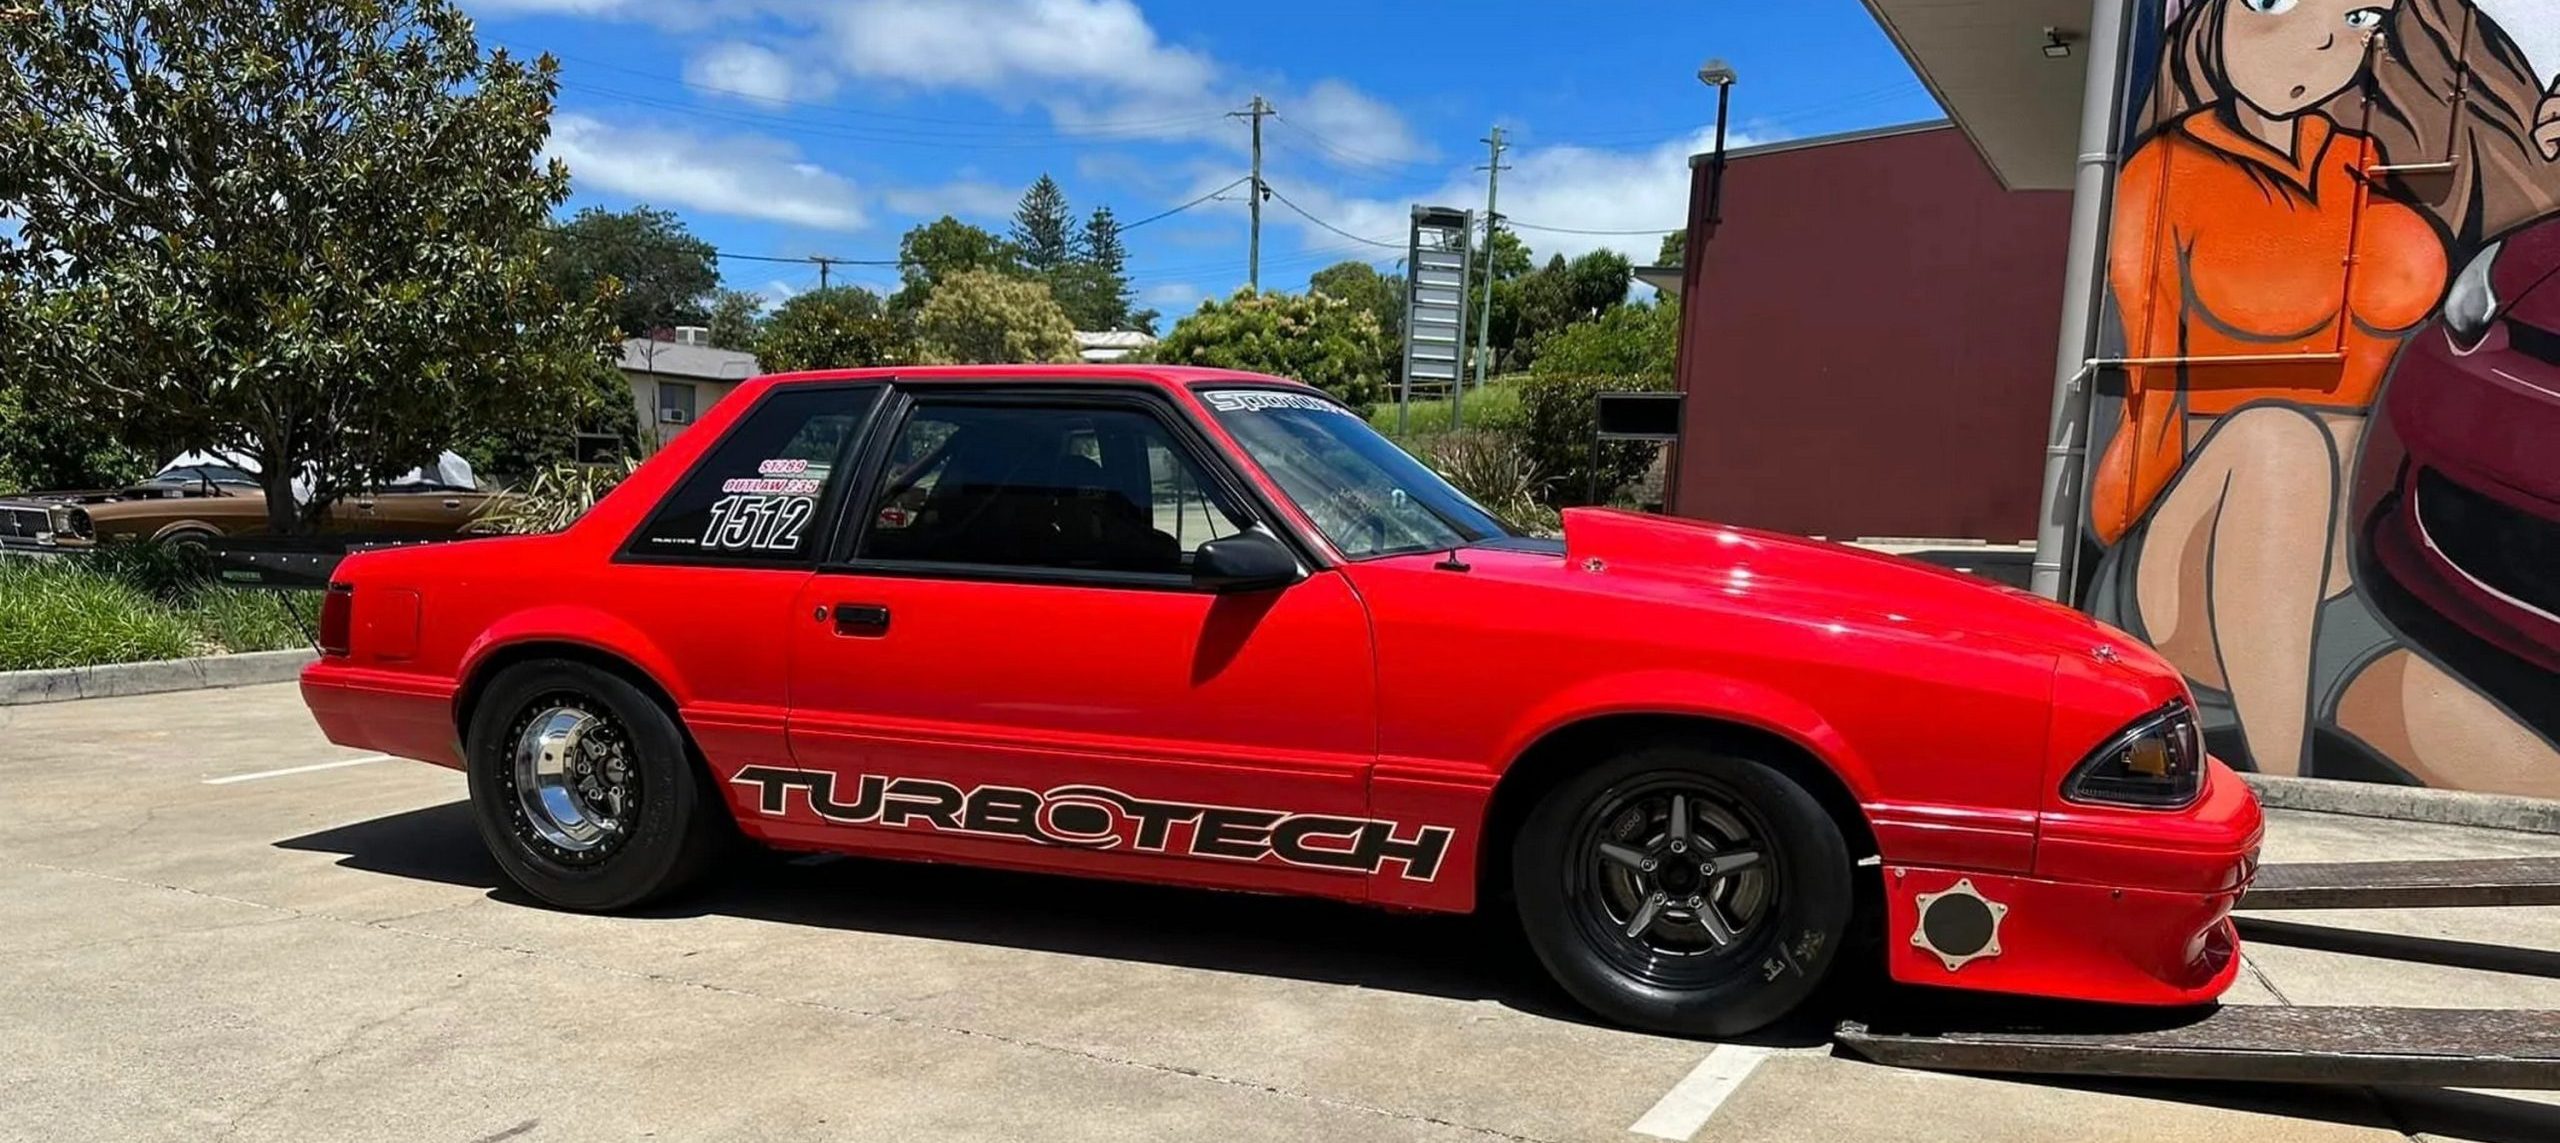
(220, 926)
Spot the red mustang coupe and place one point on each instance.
(1208, 628)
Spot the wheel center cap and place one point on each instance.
(1679, 876)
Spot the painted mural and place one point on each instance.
(2327, 483)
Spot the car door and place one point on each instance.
(713, 573)
(1010, 664)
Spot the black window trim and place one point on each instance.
(1182, 430)
(1205, 384)
(829, 508)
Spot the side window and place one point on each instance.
(1065, 488)
(755, 497)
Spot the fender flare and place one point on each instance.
(577, 625)
(1695, 694)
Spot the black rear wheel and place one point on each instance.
(1681, 890)
(584, 789)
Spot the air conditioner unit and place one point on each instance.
(672, 416)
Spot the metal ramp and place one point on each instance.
(2414, 1047)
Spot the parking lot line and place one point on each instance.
(316, 766)
(1686, 1107)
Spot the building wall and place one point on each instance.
(644, 401)
(2333, 503)
(1867, 342)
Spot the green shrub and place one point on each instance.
(231, 619)
(1492, 468)
(556, 498)
(58, 613)
(1555, 425)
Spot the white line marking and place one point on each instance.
(343, 762)
(1685, 1108)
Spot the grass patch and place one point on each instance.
(130, 608)
(1498, 403)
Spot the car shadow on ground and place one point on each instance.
(1455, 957)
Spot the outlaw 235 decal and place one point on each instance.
(1094, 817)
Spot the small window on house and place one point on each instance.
(675, 403)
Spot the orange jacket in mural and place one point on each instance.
(2224, 247)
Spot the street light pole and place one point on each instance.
(1720, 76)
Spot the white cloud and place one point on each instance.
(757, 74)
(749, 176)
(965, 198)
(1359, 127)
(997, 45)
(1174, 298)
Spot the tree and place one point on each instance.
(664, 270)
(1326, 342)
(735, 318)
(939, 249)
(1040, 228)
(1094, 287)
(515, 450)
(982, 317)
(1675, 246)
(1629, 341)
(1360, 284)
(307, 232)
(841, 327)
(45, 444)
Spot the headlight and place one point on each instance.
(69, 522)
(2157, 763)
(2472, 302)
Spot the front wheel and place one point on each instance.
(584, 790)
(1683, 890)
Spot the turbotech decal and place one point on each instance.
(1096, 817)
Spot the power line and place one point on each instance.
(1186, 206)
(1347, 155)
(1301, 212)
(1516, 224)
(804, 259)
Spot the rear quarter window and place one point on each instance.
(759, 495)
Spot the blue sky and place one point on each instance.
(792, 127)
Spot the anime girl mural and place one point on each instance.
(2309, 173)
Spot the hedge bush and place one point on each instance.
(131, 603)
(1555, 423)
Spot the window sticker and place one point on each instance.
(758, 522)
(1258, 400)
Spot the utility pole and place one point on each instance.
(1492, 169)
(823, 262)
(1253, 252)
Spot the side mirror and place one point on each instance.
(1246, 561)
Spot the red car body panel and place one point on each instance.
(1376, 706)
(2464, 464)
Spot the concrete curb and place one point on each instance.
(111, 679)
(2406, 803)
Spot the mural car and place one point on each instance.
(197, 498)
(2305, 182)
(1209, 629)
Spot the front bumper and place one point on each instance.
(2125, 907)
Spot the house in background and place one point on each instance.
(675, 381)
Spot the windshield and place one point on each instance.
(1366, 495)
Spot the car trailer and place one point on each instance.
(2378, 1046)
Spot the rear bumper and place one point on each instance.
(2127, 907)
(389, 712)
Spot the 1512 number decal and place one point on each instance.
(762, 523)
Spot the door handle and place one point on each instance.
(864, 620)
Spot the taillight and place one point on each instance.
(337, 620)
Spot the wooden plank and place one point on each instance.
(2482, 883)
(2422, 1047)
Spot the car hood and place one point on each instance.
(1828, 582)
